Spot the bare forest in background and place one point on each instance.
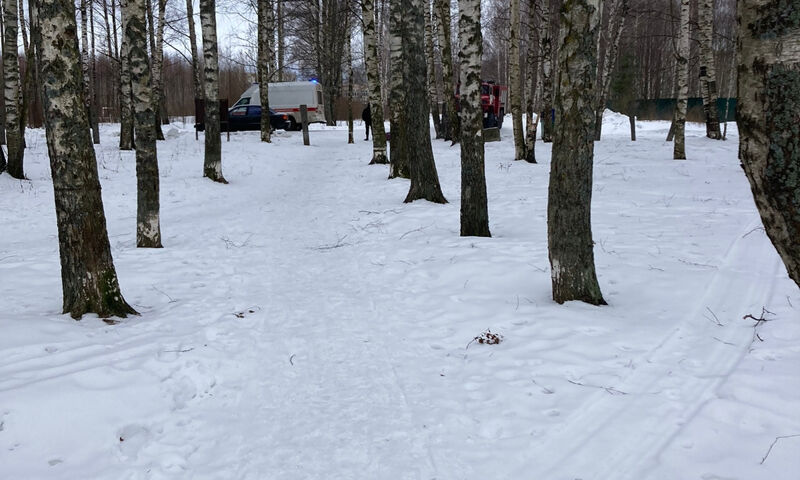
(645, 66)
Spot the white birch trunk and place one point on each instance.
(14, 140)
(768, 115)
(682, 60)
(374, 84)
(212, 164)
(515, 86)
(474, 205)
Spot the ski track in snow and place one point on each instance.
(302, 323)
(632, 421)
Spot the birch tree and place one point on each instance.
(158, 67)
(374, 84)
(14, 140)
(263, 69)
(349, 48)
(515, 86)
(125, 93)
(450, 127)
(197, 76)
(548, 83)
(474, 208)
(682, 74)
(88, 277)
(618, 14)
(708, 72)
(569, 228)
(531, 118)
(424, 178)
(768, 115)
(148, 227)
(87, 74)
(433, 97)
(399, 154)
(212, 165)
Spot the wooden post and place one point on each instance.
(304, 121)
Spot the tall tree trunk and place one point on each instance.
(424, 178)
(531, 119)
(682, 60)
(158, 66)
(281, 40)
(515, 86)
(197, 76)
(349, 49)
(548, 83)
(89, 280)
(93, 115)
(451, 129)
(399, 123)
(569, 227)
(212, 167)
(125, 100)
(264, 67)
(708, 72)
(148, 227)
(474, 206)
(617, 24)
(433, 98)
(87, 73)
(768, 114)
(14, 140)
(374, 84)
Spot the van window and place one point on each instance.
(319, 97)
(243, 101)
(238, 112)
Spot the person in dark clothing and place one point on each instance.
(366, 115)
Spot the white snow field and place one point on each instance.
(303, 323)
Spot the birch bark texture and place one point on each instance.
(515, 85)
(450, 127)
(682, 75)
(264, 31)
(531, 82)
(399, 154)
(374, 84)
(197, 79)
(424, 178)
(548, 83)
(618, 14)
(89, 279)
(14, 140)
(433, 96)
(125, 93)
(212, 162)
(87, 76)
(158, 68)
(474, 207)
(148, 226)
(768, 115)
(569, 227)
(708, 72)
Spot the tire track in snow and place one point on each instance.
(617, 436)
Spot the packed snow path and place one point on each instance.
(303, 323)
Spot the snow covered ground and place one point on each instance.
(303, 323)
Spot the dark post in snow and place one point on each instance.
(89, 280)
(304, 122)
(569, 226)
(768, 115)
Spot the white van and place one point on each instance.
(286, 98)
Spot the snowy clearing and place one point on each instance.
(303, 323)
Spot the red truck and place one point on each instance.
(493, 101)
